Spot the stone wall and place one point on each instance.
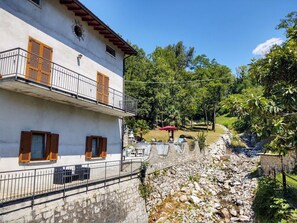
(269, 162)
(188, 151)
(116, 203)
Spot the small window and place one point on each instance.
(96, 147)
(110, 51)
(37, 2)
(38, 151)
(38, 146)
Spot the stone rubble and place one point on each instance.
(217, 188)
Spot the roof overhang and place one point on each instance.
(93, 21)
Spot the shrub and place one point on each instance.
(270, 205)
(145, 190)
(201, 140)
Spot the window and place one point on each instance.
(37, 2)
(102, 88)
(39, 62)
(96, 147)
(110, 51)
(38, 146)
(38, 150)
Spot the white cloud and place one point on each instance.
(264, 48)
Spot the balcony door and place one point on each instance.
(102, 88)
(39, 60)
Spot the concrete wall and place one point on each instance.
(24, 113)
(269, 162)
(118, 203)
(52, 24)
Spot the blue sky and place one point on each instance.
(227, 30)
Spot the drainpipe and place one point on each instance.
(123, 121)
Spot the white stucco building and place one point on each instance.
(61, 85)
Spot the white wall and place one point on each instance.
(19, 112)
(52, 24)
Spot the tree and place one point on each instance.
(273, 113)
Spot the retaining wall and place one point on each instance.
(116, 203)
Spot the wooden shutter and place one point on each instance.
(89, 147)
(34, 48)
(25, 147)
(39, 62)
(99, 87)
(45, 66)
(106, 89)
(103, 147)
(54, 146)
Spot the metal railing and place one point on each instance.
(15, 63)
(28, 185)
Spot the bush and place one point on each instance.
(145, 190)
(270, 205)
(201, 140)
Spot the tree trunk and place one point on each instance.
(214, 119)
(206, 119)
(283, 176)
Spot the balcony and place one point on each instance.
(60, 84)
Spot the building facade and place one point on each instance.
(61, 85)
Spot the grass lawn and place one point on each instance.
(291, 182)
(226, 120)
(211, 136)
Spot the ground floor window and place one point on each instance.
(37, 145)
(96, 147)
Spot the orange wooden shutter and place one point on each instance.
(99, 87)
(103, 147)
(25, 147)
(34, 48)
(45, 66)
(106, 90)
(39, 62)
(54, 146)
(89, 147)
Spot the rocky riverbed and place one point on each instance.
(217, 188)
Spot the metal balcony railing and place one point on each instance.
(14, 63)
(32, 184)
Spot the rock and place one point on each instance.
(225, 214)
(234, 219)
(197, 187)
(233, 212)
(239, 202)
(244, 218)
(195, 200)
(190, 185)
(183, 198)
(236, 183)
(185, 190)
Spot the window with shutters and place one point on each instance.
(39, 60)
(96, 147)
(102, 88)
(37, 145)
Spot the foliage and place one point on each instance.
(172, 87)
(201, 140)
(270, 205)
(145, 189)
(272, 111)
(236, 142)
